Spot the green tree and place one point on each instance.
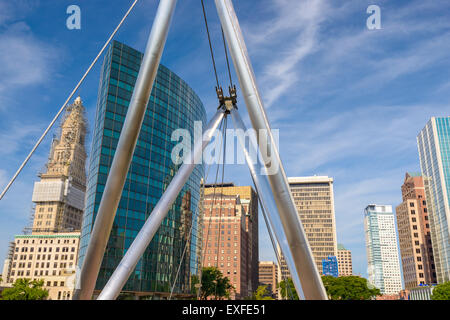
(441, 291)
(25, 289)
(262, 293)
(287, 289)
(214, 284)
(348, 288)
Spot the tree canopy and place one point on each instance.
(214, 284)
(262, 293)
(341, 288)
(25, 289)
(441, 291)
(287, 289)
(348, 288)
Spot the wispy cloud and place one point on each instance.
(25, 60)
(298, 21)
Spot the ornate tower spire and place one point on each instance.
(59, 196)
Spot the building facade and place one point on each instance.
(268, 276)
(249, 202)
(382, 249)
(345, 264)
(225, 240)
(48, 257)
(49, 250)
(414, 234)
(59, 195)
(172, 105)
(314, 200)
(434, 153)
(330, 267)
(421, 293)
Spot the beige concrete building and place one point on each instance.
(50, 252)
(268, 275)
(51, 258)
(345, 265)
(249, 202)
(59, 195)
(414, 234)
(314, 200)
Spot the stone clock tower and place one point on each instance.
(59, 195)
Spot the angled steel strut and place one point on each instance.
(124, 152)
(302, 265)
(137, 248)
(303, 259)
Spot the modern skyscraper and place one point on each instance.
(249, 201)
(268, 276)
(172, 105)
(330, 266)
(313, 197)
(434, 153)
(59, 195)
(382, 249)
(414, 234)
(344, 258)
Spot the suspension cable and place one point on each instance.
(189, 236)
(226, 56)
(277, 255)
(202, 256)
(221, 194)
(68, 99)
(210, 45)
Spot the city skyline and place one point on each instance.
(365, 140)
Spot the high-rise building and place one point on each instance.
(249, 201)
(344, 258)
(172, 105)
(59, 195)
(414, 234)
(225, 240)
(382, 249)
(268, 276)
(434, 153)
(314, 200)
(50, 252)
(330, 266)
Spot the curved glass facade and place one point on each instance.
(173, 104)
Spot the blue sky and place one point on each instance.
(348, 101)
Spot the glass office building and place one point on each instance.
(173, 104)
(434, 152)
(330, 267)
(382, 249)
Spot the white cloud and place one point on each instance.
(298, 21)
(15, 134)
(25, 60)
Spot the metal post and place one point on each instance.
(267, 201)
(137, 248)
(124, 152)
(306, 268)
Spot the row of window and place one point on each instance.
(44, 249)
